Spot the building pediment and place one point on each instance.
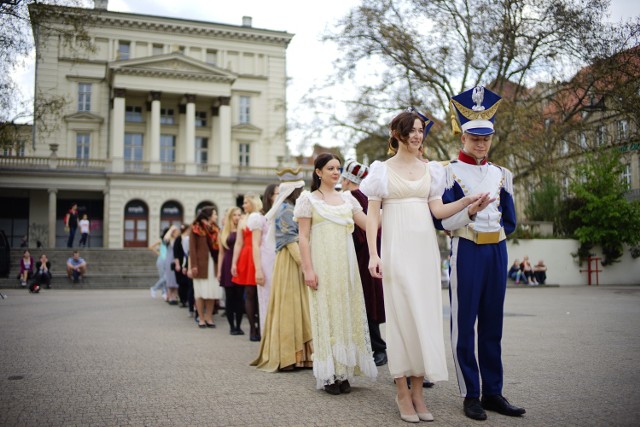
(85, 117)
(173, 65)
(246, 128)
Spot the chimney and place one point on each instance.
(100, 4)
(246, 21)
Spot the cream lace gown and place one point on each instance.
(411, 270)
(341, 343)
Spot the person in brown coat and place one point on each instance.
(203, 242)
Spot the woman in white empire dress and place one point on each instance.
(409, 191)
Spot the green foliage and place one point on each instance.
(544, 202)
(604, 216)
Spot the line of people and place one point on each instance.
(327, 299)
(470, 197)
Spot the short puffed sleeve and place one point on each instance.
(437, 180)
(255, 221)
(303, 208)
(355, 204)
(374, 186)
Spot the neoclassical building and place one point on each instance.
(163, 116)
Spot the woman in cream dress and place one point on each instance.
(341, 342)
(409, 191)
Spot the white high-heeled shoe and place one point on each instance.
(425, 416)
(412, 418)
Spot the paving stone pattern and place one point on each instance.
(118, 357)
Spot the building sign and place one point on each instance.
(135, 208)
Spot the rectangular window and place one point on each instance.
(158, 49)
(133, 113)
(202, 150)
(244, 154)
(212, 56)
(84, 96)
(124, 49)
(626, 175)
(601, 135)
(83, 144)
(133, 147)
(245, 109)
(167, 117)
(582, 140)
(167, 148)
(623, 130)
(201, 119)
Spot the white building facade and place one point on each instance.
(163, 116)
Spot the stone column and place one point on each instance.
(154, 133)
(117, 131)
(190, 136)
(53, 199)
(105, 218)
(224, 135)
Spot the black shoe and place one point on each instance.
(427, 384)
(239, 331)
(501, 405)
(332, 389)
(201, 326)
(254, 338)
(345, 387)
(380, 358)
(473, 409)
(210, 325)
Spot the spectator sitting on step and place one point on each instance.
(514, 272)
(42, 276)
(76, 267)
(26, 268)
(540, 272)
(527, 271)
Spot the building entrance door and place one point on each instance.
(136, 221)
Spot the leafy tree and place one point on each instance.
(18, 17)
(396, 53)
(604, 216)
(544, 202)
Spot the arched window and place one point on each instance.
(171, 213)
(136, 221)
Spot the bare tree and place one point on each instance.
(18, 18)
(422, 52)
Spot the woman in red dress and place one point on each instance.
(243, 269)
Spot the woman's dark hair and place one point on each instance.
(164, 231)
(320, 162)
(294, 195)
(204, 214)
(401, 125)
(267, 197)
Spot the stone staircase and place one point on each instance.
(106, 268)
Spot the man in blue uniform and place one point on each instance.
(478, 256)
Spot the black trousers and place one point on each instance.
(234, 305)
(377, 343)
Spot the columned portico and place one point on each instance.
(190, 136)
(154, 137)
(117, 131)
(224, 135)
(53, 199)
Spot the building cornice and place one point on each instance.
(150, 23)
(168, 26)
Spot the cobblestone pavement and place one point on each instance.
(118, 357)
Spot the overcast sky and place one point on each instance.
(308, 60)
